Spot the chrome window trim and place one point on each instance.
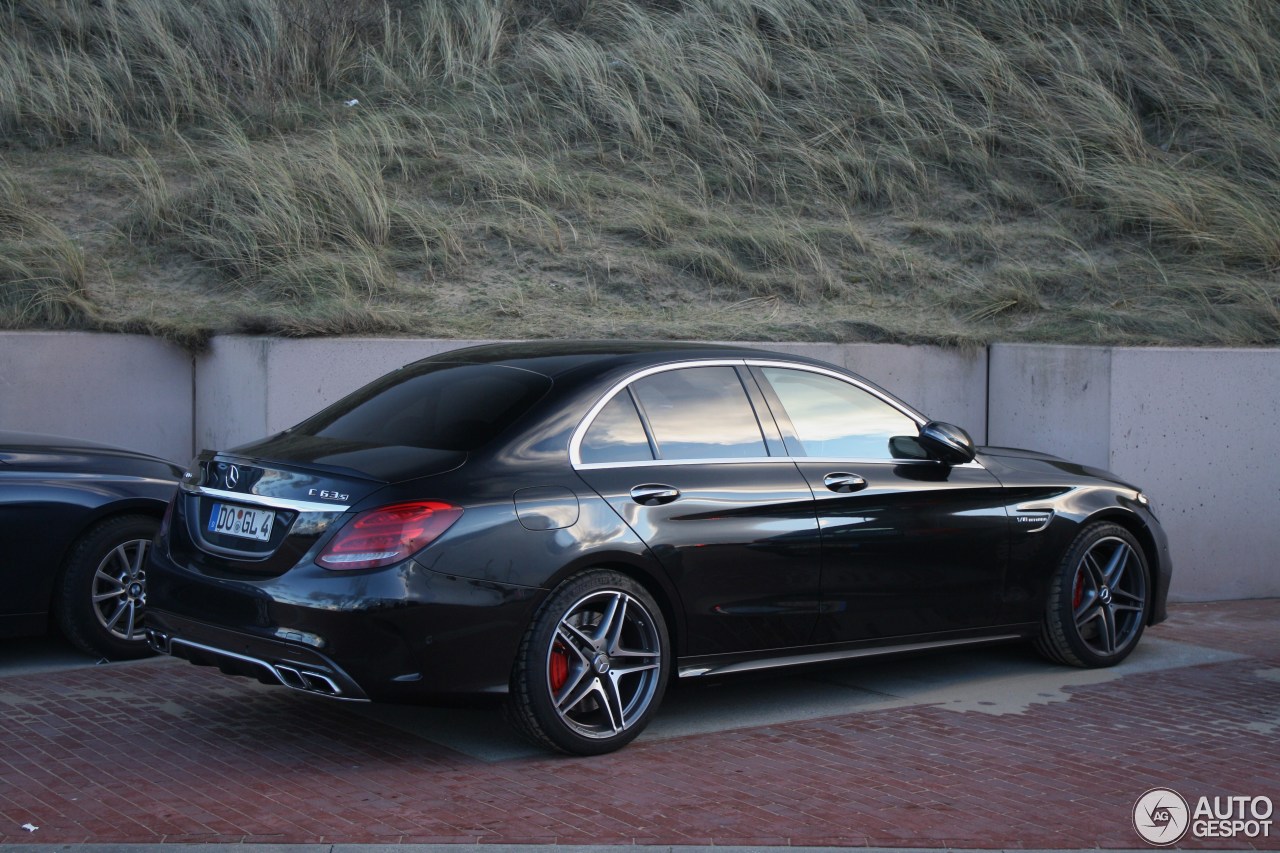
(844, 460)
(757, 460)
(919, 418)
(263, 500)
(579, 433)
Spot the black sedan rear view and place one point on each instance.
(568, 526)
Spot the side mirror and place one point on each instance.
(908, 447)
(947, 442)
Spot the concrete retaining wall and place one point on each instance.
(125, 390)
(248, 387)
(1190, 426)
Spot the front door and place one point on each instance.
(910, 546)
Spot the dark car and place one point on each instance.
(76, 523)
(566, 526)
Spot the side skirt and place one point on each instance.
(694, 668)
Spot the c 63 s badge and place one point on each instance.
(327, 495)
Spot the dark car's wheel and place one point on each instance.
(592, 667)
(1098, 599)
(103, 588)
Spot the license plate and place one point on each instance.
(242, 522)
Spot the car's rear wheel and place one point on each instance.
(1098, 599)
(103, 589)
(592, 667)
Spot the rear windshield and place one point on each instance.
(437, 405)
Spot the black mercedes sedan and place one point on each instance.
(567, 526)
(76, 522)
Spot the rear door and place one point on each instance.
(910, 546)
(684, 458)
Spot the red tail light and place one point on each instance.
(389, 534)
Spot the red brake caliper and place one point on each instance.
(558, 666)
(1078, 595)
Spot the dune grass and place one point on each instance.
(1079, 171)
(42, 271)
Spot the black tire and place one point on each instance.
(1099, 599)
(107, 562)
(592, 667)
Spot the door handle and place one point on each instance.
(844, 482)
(654, 494)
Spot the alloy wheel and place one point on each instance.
(120, 589)
(1109, 596)
(604, 664)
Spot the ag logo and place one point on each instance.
(1161, 817)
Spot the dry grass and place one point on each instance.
(1082, 171)
(42, 271)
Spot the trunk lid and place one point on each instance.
(259, 509)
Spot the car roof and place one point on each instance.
(556, 358)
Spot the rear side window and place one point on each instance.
(438, 405)
(616, 435)
(700, 413)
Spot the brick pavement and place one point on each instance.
(166, 752)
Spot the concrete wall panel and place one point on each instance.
(307, 375)
(1187, 425)
(1196, 429)
(231, 392)
(1052, 398)
(249, 387)
(947, 385)
(126, 390)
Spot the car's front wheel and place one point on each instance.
(103, 588)
(592, 667)
(1098, 599)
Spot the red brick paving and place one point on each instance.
(165, 752)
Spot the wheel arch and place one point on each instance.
(101, 514)
(66, 614)
(109, 512)
(670, 613)
(1150, 550)
(648, 576)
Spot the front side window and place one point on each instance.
(700, 413)
(835, 419)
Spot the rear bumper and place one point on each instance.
(269, 661)
(401, 634)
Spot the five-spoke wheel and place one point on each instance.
(103, 589)
(1098, 600)
(593, 665)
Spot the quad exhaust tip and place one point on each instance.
(292, 674)
(302, 679)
